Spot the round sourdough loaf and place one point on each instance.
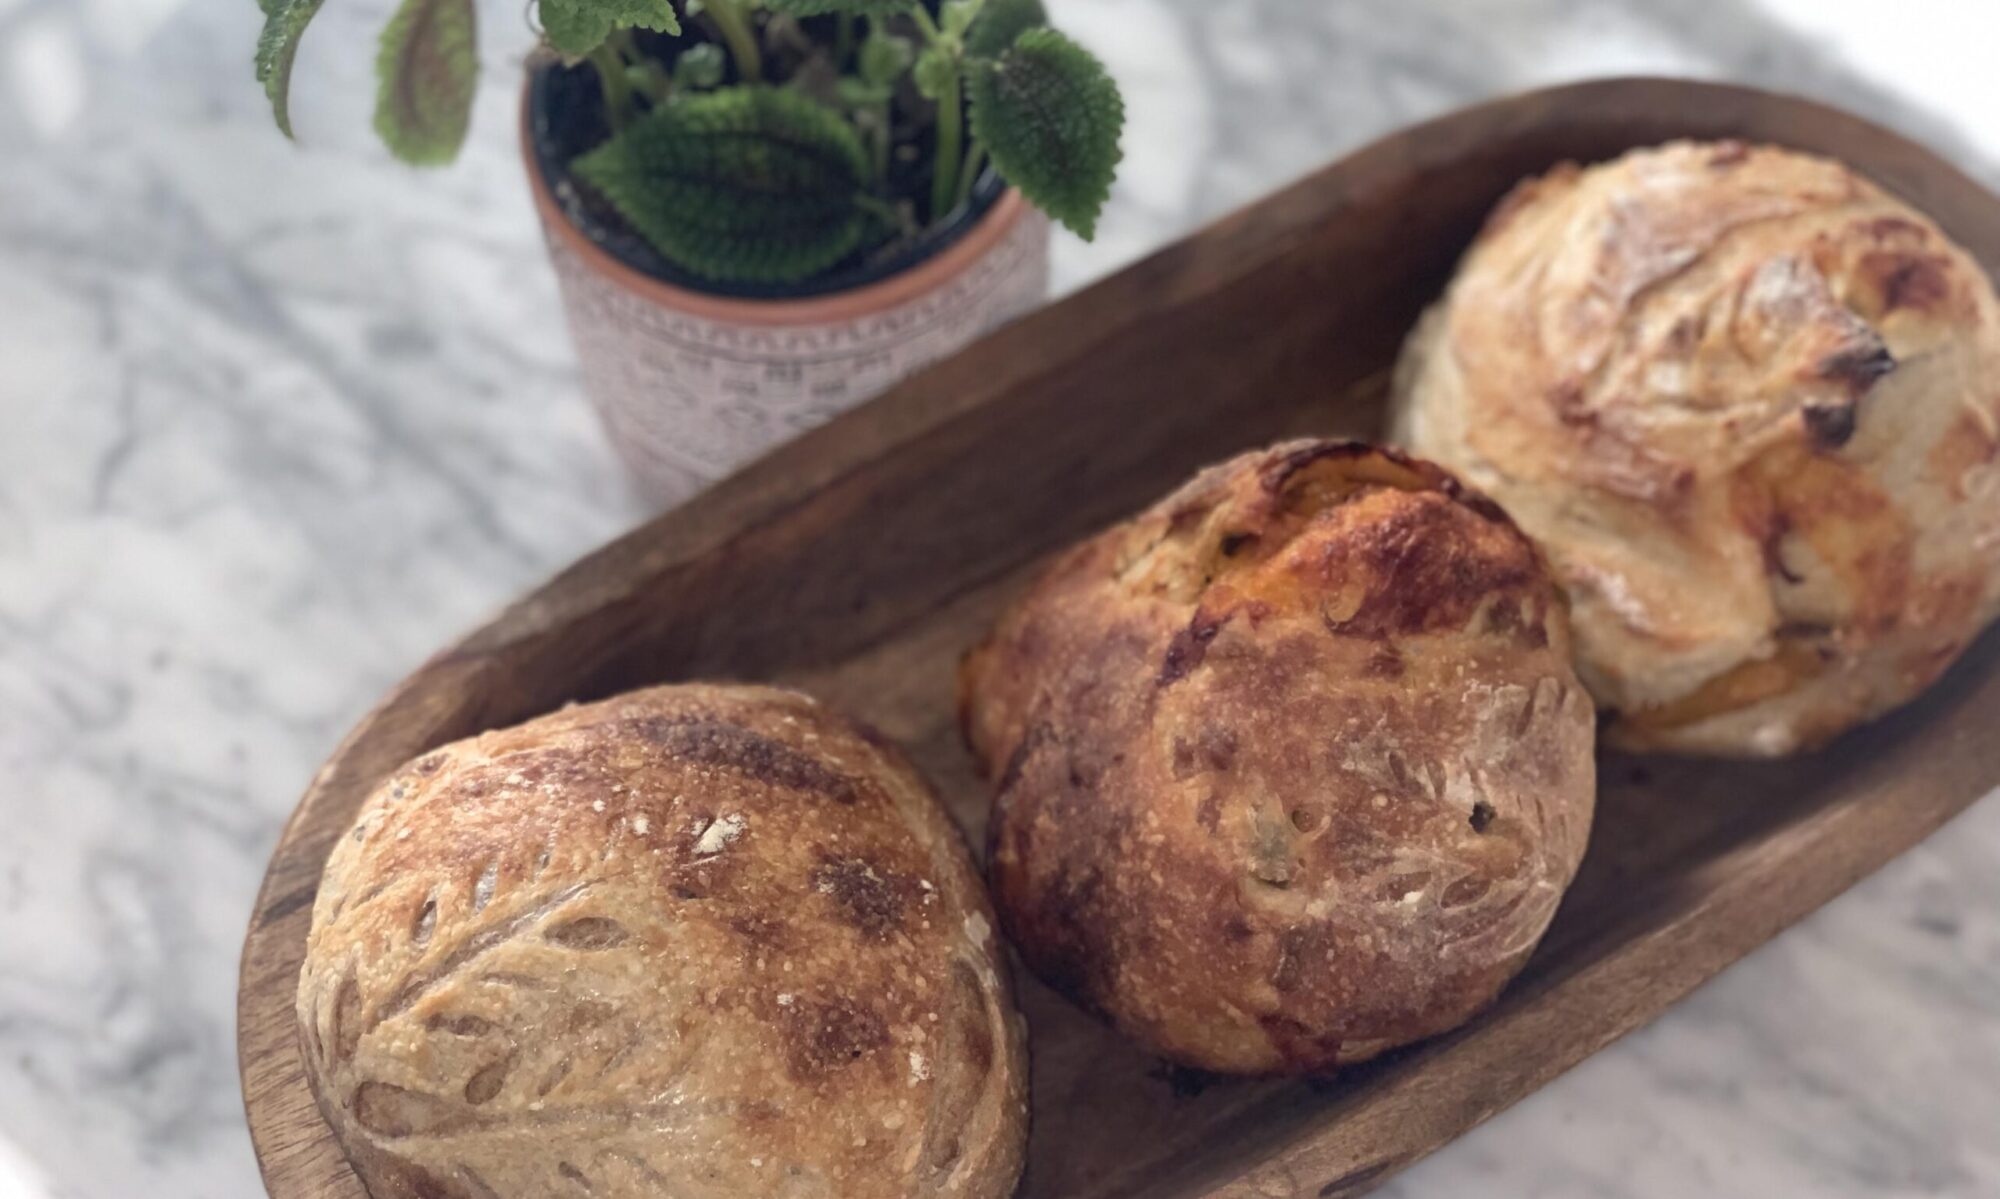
(693, 941)
(1749, 405)
(1292, 767)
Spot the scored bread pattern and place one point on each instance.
(586, 960)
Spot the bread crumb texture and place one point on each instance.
(1749, 404)
(693, 941)
(1291, 768)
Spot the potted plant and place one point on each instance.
(764, 211)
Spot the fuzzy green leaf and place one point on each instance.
(428, 68)
(285, 23)
(936, 73)
(748, 184)
(576, 27)
(700, 66)
(1000, 24)
(855, 8)
(956, 15)
(884, 57)
(1050, 116)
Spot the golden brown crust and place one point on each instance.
(1747, 403)
(1292, 767)
(700, 941)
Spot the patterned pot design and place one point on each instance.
(691, 386)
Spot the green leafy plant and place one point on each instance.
(767, 141)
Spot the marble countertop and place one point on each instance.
(276, 422)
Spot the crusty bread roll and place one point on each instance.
(1749, 405)
(1292, 767)
(695, 941)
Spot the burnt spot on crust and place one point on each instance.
(1482, 816)
(1829, 425)
(872, 899)
(729, 746)
(822, 1036)
(1504, 618)
(1233, 543)
(1856, 367)
(1189, 647)
(1685, 335)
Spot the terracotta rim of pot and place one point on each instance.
(921, 278)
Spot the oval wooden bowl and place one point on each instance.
(860, 561)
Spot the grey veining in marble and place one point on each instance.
(276, 422)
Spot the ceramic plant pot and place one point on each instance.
(692, 379)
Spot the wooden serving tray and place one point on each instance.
(861, 560)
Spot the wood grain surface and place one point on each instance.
(860, 561)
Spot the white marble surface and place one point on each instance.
(274, 423)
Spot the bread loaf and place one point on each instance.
(1292, 767)
(1749, 405)
(693, 941)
